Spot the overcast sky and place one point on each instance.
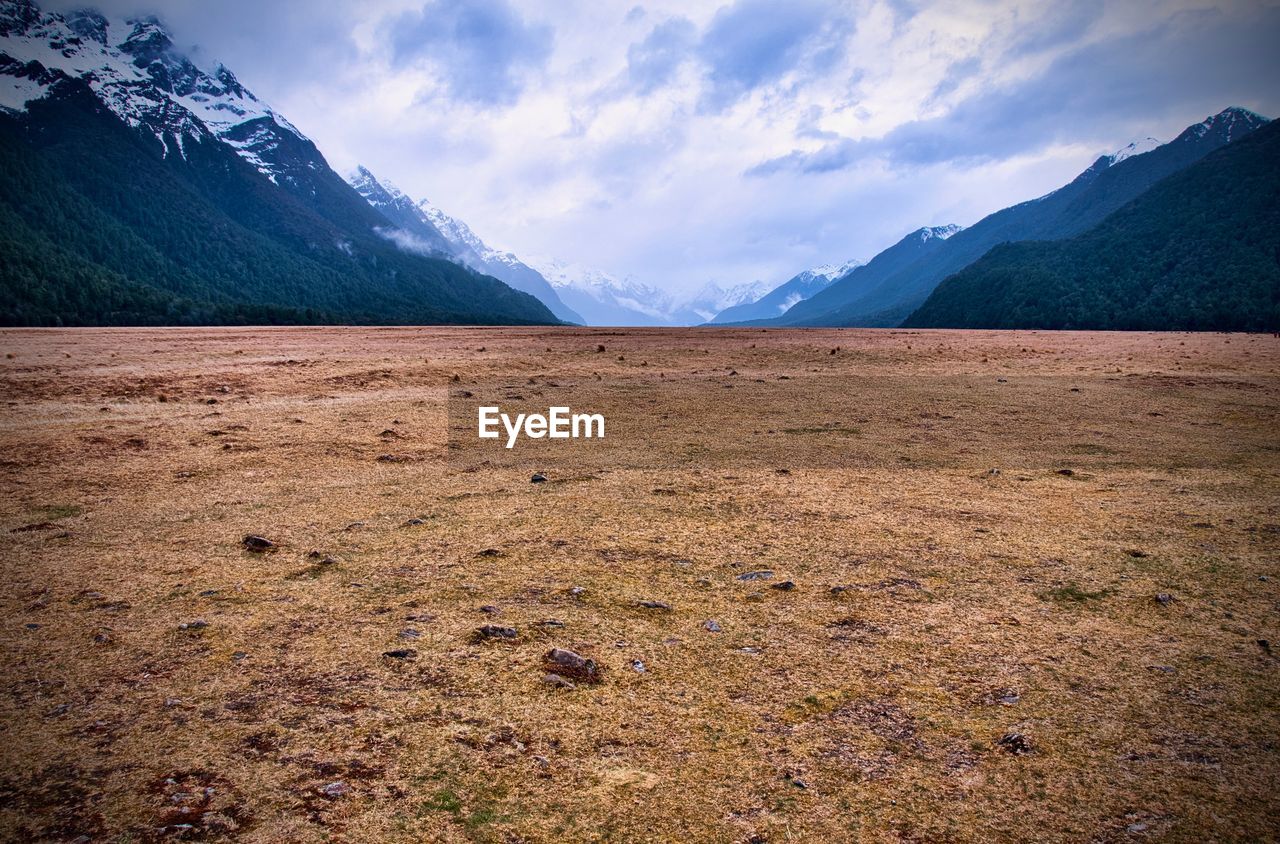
(686, 142)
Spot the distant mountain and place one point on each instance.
(782, 298)
(1200, 250)
(712, 299)
(421, 227)
(849, 288)
(603, 299)
(139, 188)
(1109, 183)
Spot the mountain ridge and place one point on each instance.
(1107, 184)
(1199, 250)
(184, 222)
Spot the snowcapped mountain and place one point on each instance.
(885, 292)
(937, 232)
(1132, 149)
(711, 299)
(1226, 126)
(780, 299)
(423, 228)
(603, 299)
(133, 68)
(169, 193)
(415, 232)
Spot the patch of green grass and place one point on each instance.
(450, 802)
(825, 429)
(1073, 594)
(443, 800)
(1090, 448)
(60, 511)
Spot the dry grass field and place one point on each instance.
(1024, 586)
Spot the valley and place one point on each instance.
(925, 585)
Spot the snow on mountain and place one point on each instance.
(132, 66)
(1135, 148)
(1230, 123)
(939, 232)
(422, 227)
(780, 299)
(604, 299)
(831, 272)
(703, 305)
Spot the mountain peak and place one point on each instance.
(833, 271)
(1138, 147)
(939, 232)
(1229, 124)
(132, 66)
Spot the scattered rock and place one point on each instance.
(556, 681)
(784, 586)
(334, 790)
(637, 665)
(401, 653)
(490, 609)
(1265, 644)
(1136, 553)
(1004, 697)
(577, 591)
(489, 552)
(495, 631)
(538, 478)
(550, 622)
(198, 624)
(258, 544)
(1066, 473)
(208, 593)
(1015, 743)
(763, 574)
(410, 633)
(653, 605)
(566, 663)
(1164, 599)
(414, 522)
(393, 458)
(712, 626)
(239, 656)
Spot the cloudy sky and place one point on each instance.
(731, 140)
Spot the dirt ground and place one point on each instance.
(1034, 587)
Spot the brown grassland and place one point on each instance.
(1036, 588)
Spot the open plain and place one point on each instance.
(839, 586)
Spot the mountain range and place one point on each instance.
(782, 298)
(1199, 251)
(423, 228)
(897, 281)
(139, 188)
